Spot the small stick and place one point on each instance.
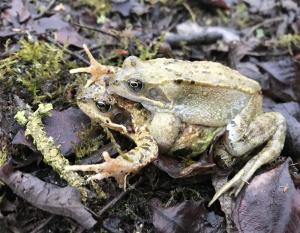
(68, 51)
(117, 198)
(109, 33)
(50, 5)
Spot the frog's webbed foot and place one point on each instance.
(270, 152)
(118, 168)
(95, 69)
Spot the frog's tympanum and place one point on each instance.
(204, 94)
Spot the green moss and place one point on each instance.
(88, 144)
(150, 51)
(100, 7)
(289, 40)
(39, 68)
(241, 15)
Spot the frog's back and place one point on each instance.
(204, 73)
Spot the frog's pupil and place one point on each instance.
(135, 84)
(103, 107)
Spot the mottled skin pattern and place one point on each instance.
(130, 119)
(206, 94)
(209, 94)
(133, 126)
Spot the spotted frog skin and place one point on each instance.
(206, 94)
(132, 120)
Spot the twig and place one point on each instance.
(42, 225)
(68, 51)
(117, 198)
(50, 5)
(98, 30)
(264, 23)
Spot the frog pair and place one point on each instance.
(186, 104)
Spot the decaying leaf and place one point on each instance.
(48, 197)
(178, 169)
(291, 112)
(63, 127)
(188, 216)
(270, 203)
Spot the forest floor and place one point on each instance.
(42, 40)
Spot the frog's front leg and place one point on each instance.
(145, 152)
(269, 127)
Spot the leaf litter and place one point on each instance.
(241, 36)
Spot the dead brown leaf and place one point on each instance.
(188, 216)
(270, 203)
(48, 197)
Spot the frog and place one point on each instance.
(208, 94)
(133, 121)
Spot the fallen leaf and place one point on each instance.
(178, 169)
(69, 36)
(282, 69)
(270, 203)
(20, 139)
(265, 7)
(290, 111)
(188, 216)
(17, 12)
(129, 6)
(54, 23)
(48, 197)
(63, 127)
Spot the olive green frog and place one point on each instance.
(208, 94)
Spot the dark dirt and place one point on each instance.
(42, 40)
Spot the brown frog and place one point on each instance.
(206, 94)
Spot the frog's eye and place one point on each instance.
(103, 106)
(135, 84)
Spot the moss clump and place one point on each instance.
(100, 8)
(51, 153)
(89, 144)
(289, 41)
(35, 72)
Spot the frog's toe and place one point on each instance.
(99, 176)
(236, 183)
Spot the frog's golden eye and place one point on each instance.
(135, 84)
(103, 106)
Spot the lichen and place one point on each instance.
(50, 151)
(3, 156)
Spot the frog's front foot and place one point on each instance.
(118, 168)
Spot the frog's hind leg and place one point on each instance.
(269, 127)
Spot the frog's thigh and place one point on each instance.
(238, 127)
(260, 130)
(270, 152)
(165, 128)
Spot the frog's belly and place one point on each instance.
(194, 140)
